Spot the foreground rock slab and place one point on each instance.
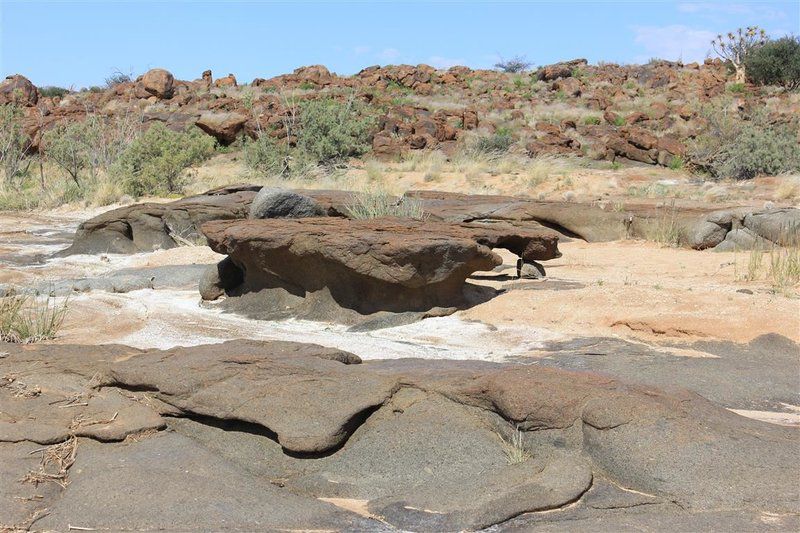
(278, 435)
(367, 266)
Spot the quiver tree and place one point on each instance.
(735, 46)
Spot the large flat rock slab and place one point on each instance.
(368, 266)
(150, 226)
(278, 435)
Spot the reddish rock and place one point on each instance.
(227, 81)
(371, 265)
(223, 126)
(159, 83)
(19, 90)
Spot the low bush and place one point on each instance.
(742, 148)
(266, 155)
(154, 161)
(331, 130)
(51, 91)
(514, 65)
(776, 63)
(115, 79)
(497, 143)
(14, 144)
(68, 145)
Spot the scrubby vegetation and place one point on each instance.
(496, 143)
(26, 318)
(376, 204)
(52, 91)
(331, 130)
(776, 63)
(154, 161)
(743, 147)
(13, 146)
(513, 65)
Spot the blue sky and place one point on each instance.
(80, 43)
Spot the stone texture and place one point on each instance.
(274, 202)
(147, 226)
(374, 265)
(270, 434)
(159, 83)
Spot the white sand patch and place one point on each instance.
(176, 318)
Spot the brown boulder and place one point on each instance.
(227, 81)
(159, 83)
(560, 70)
(223, 126)
(149, 226)
(19, 90)
(373, 265)
(319, 75)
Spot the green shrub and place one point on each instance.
(154, 161)
(266, 155)
(51, 91)
(67, 145)
(497, 143)
(759, 150)
(592, 120)
(736, 88)
(14, 144)
(331, 130)
(676, 163)
(776, 63)
(733, 147)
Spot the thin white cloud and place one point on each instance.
(440, 62)
(673, 42)
(361, 50)
(389, 54)
(727, 8)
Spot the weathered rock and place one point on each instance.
(158, 82)
(226, 81)
(221, 125)
(217, 279)
(148, 226)
(781, 226)
(424, 444)
(19, 90)
(274, 202)
(370, 265)
(560, 70)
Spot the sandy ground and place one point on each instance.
(639, 290)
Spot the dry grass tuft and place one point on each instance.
(378, 203)
(25, 319)
(514, 448)
(56, 461)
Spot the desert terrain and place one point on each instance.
(525, 302)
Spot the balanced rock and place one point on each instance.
(374, 265)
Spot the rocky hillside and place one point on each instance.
(643, 113)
